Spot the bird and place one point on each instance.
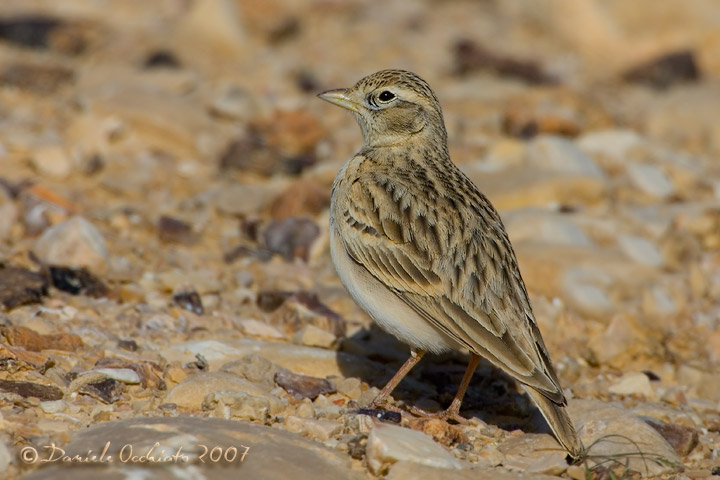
(425, 254)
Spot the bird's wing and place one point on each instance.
(452, 265)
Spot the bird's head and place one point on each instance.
(391, 106)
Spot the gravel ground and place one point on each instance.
(168, 307)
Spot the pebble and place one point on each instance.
(259, 329)
(650, 180)
(388, 444)
(633, 384)
(191, 392)
(641, 250)
(253, 368)
(312, 336)
(52, 161)
(74, 243)
(124, 375)
(318, 429)
(303, 386)
(559, 154)
(614, 144)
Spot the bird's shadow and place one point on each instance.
(492, 396)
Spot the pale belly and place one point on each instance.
(384, 307)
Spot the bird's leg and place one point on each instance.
(379, 402)
(453, 411)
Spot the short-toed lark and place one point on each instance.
(425, 253)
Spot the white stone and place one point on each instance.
(388, 444)
(650, 180)
(74, 243)
(53, 161)
(559, 154)
(53, 406)
(615, 143)
(635, 383)
(124, 375)
(641, 250)
(256, 328)
(313, 336)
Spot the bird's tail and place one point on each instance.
(559, 421)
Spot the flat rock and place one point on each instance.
(191, 392)
(269, 453)
(650, 180)
(74, 243)
(610, 432)
(534, 453)
(388, 444)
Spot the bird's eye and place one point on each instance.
(386, 96)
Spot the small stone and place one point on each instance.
(19, 286)
(30, 389)
(256, 328)
(291, 237)
(189, 300)
(683, 439)
(191, 392)
(254, 368)
(318, 429)
(633, 384)
(388, 444)
(612, 144)
(35, 342)
(53, 406)
(234, 103)
(77, 281)
(5, 457)
(53, 161)
(312, 336)
(351, 387)
(233, 404)
(303, 386)
(174, 230)
(666, 70)
(559, 154)
(73, 243)
(107, 390)
(641, 250)
(161, 59)
(651, 180)
(300, 309)
(305, 409)
(581, 289)
(124, 375)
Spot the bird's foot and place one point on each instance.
(446, 415)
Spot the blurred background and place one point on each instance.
(176, 150)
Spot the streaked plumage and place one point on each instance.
(424, 252)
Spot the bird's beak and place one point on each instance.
(340, 98)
